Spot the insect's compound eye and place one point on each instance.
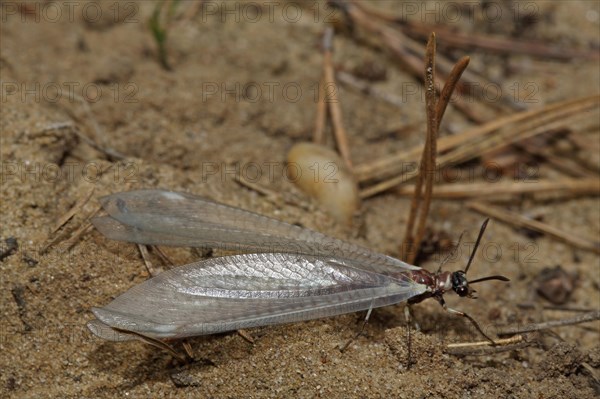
(460, 284)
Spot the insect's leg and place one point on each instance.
(146, 256)
(408, 317)
(163, 256)
(157, 343)
(408, 314)
(410, 321)
(463, 314)
(362, 328)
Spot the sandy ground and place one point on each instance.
(241, 90)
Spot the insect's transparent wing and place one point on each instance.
(105, 331)
(168, 218)
(249, 290)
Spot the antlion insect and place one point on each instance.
(294, 273)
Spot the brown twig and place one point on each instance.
(408, 34)
(450, 86)
(584, 318)
(163, 257)
(331, 98)
(472, 40)
(478, 140)
(410, 53)
(563, 164)
(585, 186)
(246, 335)
(435, 110)
(427, 162)
(433, 124)
(80, 232)
(550, 121)
(392, 164)
(73, 211)
(486, 348)
(522, 221)
(85, 228)
(321, 115)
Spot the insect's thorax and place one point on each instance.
(437, 283)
